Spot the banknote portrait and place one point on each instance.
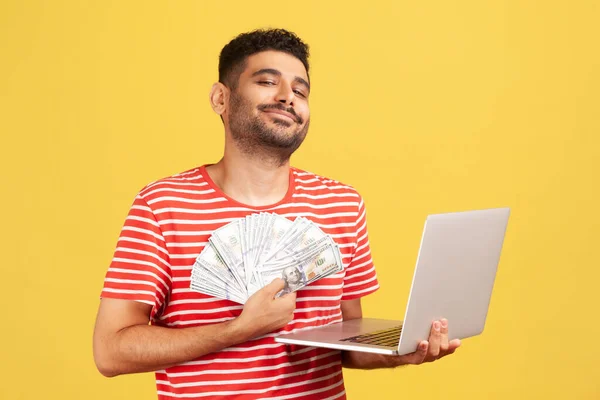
(294, 279)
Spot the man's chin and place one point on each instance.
(281, 134)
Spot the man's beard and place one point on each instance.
(255, 138)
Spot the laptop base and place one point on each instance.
(342, 336)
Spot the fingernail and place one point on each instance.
(423, 345)
(436, 325)
(444, 323)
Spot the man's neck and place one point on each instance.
(250, 181)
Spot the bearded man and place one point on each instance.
(204, 347)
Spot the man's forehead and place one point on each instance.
(285, 63)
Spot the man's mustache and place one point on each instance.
(281, 107)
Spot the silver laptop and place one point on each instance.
(453, 279)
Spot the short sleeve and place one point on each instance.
(361, 278)
(140, 269)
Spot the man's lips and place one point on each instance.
(282, 113)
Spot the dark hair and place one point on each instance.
(232, 60)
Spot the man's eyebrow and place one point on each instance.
(272, 71)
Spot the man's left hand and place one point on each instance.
(430, 350)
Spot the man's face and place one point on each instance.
(268, 110)
(292, 275)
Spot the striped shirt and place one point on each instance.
(167, 227)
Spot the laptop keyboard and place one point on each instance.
(387, 337)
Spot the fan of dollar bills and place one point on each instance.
(248, 253)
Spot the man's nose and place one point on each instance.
(285, 95)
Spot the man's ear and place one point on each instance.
(219, 98)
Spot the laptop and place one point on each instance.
(453, 279)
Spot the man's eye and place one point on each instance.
(299, 93)
(270, 83)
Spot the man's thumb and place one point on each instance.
(275, 286)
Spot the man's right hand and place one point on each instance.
(263, 313)
(124, 343)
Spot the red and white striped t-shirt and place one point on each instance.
(167, 227)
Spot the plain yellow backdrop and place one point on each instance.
(424, 107)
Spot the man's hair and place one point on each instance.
(232, 60)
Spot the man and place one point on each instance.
(204, 347)
(293, 279)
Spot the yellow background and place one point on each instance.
(424, 107)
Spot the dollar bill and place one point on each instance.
(248, 253)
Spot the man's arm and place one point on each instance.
(124, 342)
(435, 348)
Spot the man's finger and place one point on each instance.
(444, 336)
(454, 344)
(275, 286)
(291, 296)
(418, 356)
(447, 353)
(422, 351)
(435, 339)
(414, 358)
